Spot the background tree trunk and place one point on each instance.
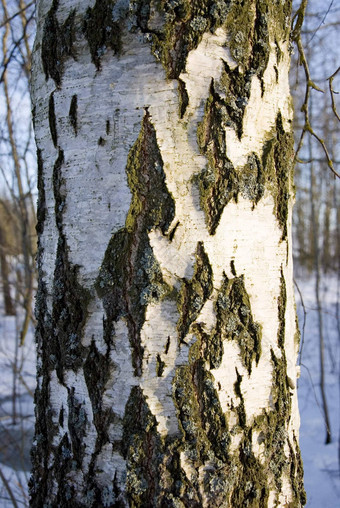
(6, 287)
(166, 332)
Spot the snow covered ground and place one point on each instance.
(321, 462)
(17, 382)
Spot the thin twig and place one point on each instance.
(322, 22)
(304, 322)
(304, 109)
(316, 397)
(8, 488)
(332, 92)
(7, 20)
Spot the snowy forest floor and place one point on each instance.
(321, 462)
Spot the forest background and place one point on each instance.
(315, 81)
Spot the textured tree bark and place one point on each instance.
(166, 335)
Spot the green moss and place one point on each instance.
(251, 483)
(234, 321)
(296, 474)
(57, 43)
(101, 31)
(70, 301)
(219, 182)
(234, 86)
(240, 22)
(250, 28)
(184, 24)
(297, 336)
(130, 276)
(273, 423)
(195, 292)
(229, 480)
(200, 415)
(284, 159)
(146, 179)
(278, 164)
(252, 179)
(188, 414)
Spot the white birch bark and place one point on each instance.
(103, 390)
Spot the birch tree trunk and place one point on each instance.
(167, 335)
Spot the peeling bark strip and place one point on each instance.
(165, 309)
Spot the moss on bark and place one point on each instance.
(130, 276)
(220, 182)
(195, 292)
(143, 449)
(278, 164)
(234, 321)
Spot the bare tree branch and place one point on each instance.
(332, 92)
(296, 37)
(7, 20)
